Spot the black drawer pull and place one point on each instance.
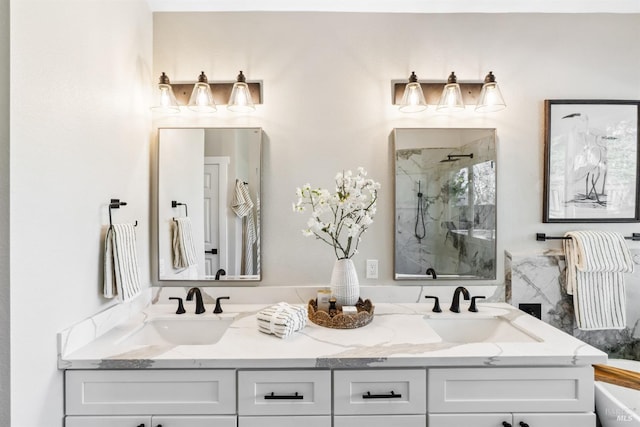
(392, 395)
(274, 396)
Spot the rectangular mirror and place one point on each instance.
(445, 204)
(209, 204)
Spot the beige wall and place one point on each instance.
(327, 104)
(80, 135)
(4, 215)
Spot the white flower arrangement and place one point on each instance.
(340, 219)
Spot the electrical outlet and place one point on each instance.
(533, 309)
(372, 269)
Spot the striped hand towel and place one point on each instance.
(121, 271)
(282, 319)
(596, 263)
(184, 249)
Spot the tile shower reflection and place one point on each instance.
(445, 203)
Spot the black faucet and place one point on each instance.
(436, 305)
(432, 272)
(219, 273)
(455, 304)
(199, 304)
(218, 308)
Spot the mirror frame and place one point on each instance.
(447, 278)
(155, 235)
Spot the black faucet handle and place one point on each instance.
(473, 307)
(218, 308)
(180, 309)
(436, 305)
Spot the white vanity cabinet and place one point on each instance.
(557, 396)
(379, 397)
(150, 398)
(284, 398)
(518, 397)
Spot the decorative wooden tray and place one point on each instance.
(363, 317)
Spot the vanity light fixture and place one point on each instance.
(413, 98)
(485, 96)
(490, 96)
(165, 98)
(201, 100)
(451, 98)
(240, 100)
(202, 96)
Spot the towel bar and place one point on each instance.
(175, 204)
(115, 204)
(541, 237)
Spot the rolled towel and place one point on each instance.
(121, 271)
(282, 319)
(184, 249)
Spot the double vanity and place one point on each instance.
(409, 367)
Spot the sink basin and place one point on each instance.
(181, 331)
(474, 330)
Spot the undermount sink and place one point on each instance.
(181, 331)
(474, 330)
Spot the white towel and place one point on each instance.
(596, 263)
(242, 205)
(184, 249)
(282, 319)
(121, 271)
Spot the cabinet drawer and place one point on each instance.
(129, 392)
(464, 390)
(385, 392)
(305, 392)
(286, 421)
(380, 421)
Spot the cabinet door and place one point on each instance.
(193, 421)
(286, 421)
(108, 421)
(381, 421)
(496, 420)
(470, 420)
(587, 419)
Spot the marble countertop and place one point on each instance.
(398, 336)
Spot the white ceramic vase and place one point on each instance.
(344, 282)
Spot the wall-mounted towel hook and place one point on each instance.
(175, 204)
(541, 237)
(115, 204)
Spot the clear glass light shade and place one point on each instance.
(490, 99)
(201, 99)
(451, 98)
(240, 100)
(166, 100)
(413, 99)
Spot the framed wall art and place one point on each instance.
(591, 161)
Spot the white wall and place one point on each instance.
(4, 215)
(327, 104)
(80, 135)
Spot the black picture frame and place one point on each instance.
(592, 158)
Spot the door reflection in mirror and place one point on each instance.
(216, 173)
(445, 204)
